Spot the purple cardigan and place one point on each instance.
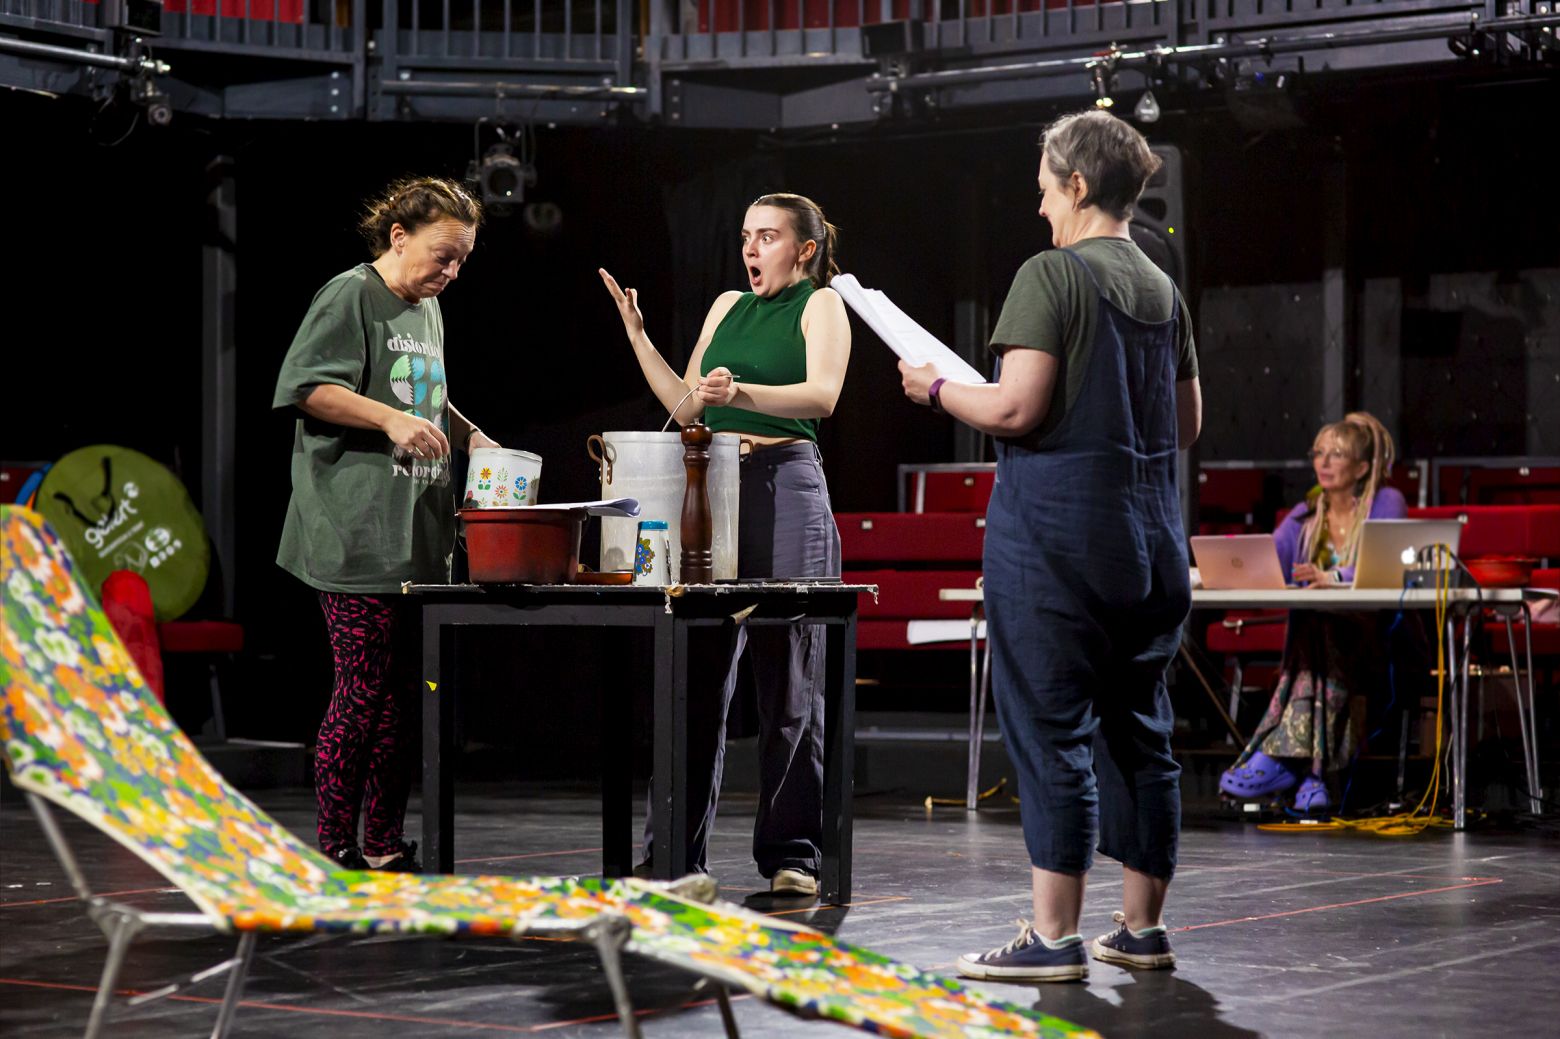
(1388, 504)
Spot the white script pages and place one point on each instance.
(903, 336)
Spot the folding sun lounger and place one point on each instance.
(82, 732)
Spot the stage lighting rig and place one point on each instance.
(503, 172)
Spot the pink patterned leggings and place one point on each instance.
(363, 758)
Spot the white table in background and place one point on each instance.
(1463, 604)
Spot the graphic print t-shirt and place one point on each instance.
(364, 514)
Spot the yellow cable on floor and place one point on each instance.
(959, 801)
(1410, 823)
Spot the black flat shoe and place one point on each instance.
(348, 857)
(405, 861)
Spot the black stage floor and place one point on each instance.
(1278, 935)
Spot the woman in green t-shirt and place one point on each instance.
(372, 504)
(769, 365)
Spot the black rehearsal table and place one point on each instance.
(670, 612)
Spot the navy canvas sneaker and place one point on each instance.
(1029, 958)
(1148, 948)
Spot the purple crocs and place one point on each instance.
(1259, 777)
(1148, 949)
(1312, 795)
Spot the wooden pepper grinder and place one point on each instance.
(697, 565)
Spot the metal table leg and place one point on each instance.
(1527, 720)
(438, 784)
(972, 775)
(1458, 678)
(839, 754)
(669, 781)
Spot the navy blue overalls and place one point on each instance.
(1086, 590)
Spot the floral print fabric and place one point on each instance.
(81, 729)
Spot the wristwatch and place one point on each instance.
(932, 394)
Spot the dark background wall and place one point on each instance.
(104, 285)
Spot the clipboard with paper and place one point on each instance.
(901, 332)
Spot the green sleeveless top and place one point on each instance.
(760, 340)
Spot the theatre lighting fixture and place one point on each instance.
(1147, 108)
(1101, 77)
(503, 172)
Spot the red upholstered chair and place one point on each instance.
(905, 596)
(1497, 481)
(218, 642)
(1228, 499)
(1252, 645)
(912, 557)
(1531, 531)
(1546, 633)
(127, 601)
(955, 487)
(905, 537)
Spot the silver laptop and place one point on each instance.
(1237, 561)
(1388, 547)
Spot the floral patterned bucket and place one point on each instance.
(500, 478)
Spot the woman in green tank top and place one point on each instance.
(769, 365)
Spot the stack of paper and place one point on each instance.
(903, 336)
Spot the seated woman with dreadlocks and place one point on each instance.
(1331, 660)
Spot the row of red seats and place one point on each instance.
(912, 556)
(1231, 500)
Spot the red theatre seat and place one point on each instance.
(1228, 500)
(1546, 636)
(1476, 484)
(905, 596)
(289, 11)
(911, 557)
(216, 641)
(908, 537)
(952, 491)
(1532, 531)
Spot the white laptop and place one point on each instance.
(1237, 562)
(1388, 547)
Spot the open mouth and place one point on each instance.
(754, 274)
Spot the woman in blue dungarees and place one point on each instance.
(1085, 563)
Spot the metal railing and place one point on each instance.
(822, 31)
(580, 59)
(593, 33)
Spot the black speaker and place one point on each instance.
(1158, 221)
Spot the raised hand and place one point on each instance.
(627, 303)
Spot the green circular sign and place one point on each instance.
(117, 509)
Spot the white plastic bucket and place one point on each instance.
(502, 478)
(649, 467)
